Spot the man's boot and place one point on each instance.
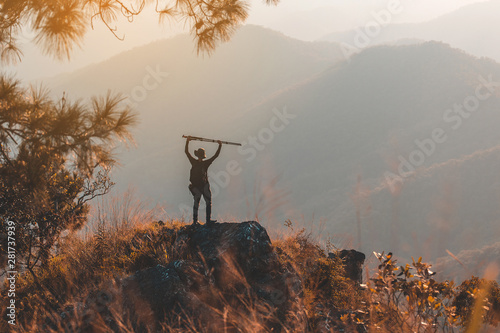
(209, 212)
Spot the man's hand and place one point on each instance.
(188, 138)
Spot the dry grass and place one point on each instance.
(79, 290)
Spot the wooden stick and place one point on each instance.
(210, 140)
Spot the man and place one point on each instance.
(199, 180)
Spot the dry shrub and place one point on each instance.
(80, 291)
(327, 292)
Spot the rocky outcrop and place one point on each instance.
(227, 276)
(223, 278)
(353, 263)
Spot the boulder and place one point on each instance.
(353, 261)
(227, 276)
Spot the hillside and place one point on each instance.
(345, 124)
(464, 28)
(355, 123)
(197, 95)
(232, 277)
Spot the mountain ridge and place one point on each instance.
(349, 121)
(462, 28)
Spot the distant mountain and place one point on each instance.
(320, 137)
(357, 122)
(471, 28)
(197, 95)
(470, 262)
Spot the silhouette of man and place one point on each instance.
(199, 180)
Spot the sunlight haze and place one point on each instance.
(314, 166)
(305, 20)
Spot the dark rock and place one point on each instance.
(353, 261)
(221, 275)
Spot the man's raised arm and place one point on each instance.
(216, 153)
(186, 150)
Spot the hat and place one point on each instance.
(200, 153)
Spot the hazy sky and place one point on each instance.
(303, 19)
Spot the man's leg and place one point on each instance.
(197, 196)
(207, 195)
